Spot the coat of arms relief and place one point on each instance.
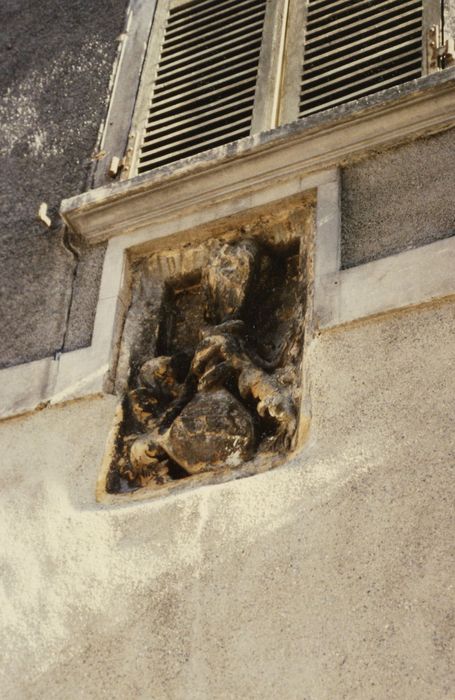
(210, 368)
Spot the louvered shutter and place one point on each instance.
(205, 80)
(220, 70)
(352, 48)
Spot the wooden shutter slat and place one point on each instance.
(412, 32)
(172, 142)
(191, 105)
(359, 93)
(188, 125)
(341, 68)
(215, 41)
(193, 96)
(222, 8)
(363, 24)
(346, 20)
(221, 25)
(351, 80)
(215, 87)
(146, 164)
(252, 43)
(347, 44)
(230, 42)
(208, 67)
(344, 60)
(194, 9)
(324, 5)
(195, 113)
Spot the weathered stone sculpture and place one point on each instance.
(215, 409)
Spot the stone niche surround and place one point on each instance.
(209, 373)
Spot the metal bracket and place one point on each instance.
(447, 53)
(440, 55)
(128, 157)
(121, 166)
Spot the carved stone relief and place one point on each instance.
(210, 363)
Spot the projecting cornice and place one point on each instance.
(319, 142)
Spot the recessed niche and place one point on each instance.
(210, 362)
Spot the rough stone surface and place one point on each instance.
(56, 59)
(398, 200)
(329, 578)
(213, 429)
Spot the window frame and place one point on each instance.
(278, 85)
(432, 10)
(126, 75)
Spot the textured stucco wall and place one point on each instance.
(330, 578)
(399, 199)
(57, 59)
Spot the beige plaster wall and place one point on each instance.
(330, 578)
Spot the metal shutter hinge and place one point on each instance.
(115, 167)
(118, 166)
(440, 54)
(122, 165)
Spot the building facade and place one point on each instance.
(321, 570)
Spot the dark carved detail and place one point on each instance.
(221, 381)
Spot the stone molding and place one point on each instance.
(323, 141)
(179, 203)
